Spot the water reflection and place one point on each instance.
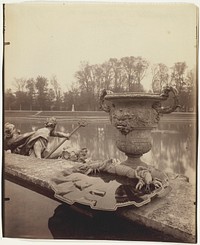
(67, 223)
(174, 143)
(174, 149)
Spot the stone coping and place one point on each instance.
(173, 214)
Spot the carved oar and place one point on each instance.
(80, 124)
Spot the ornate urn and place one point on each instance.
(135, 115)
(113, 184)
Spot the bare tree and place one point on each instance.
(178, 75)
(57, 91)
(160, 77)
(83, 77)
(191, 89)
(20, 84)
(42, 89)
(134, 69)
(118, 78)
(30, 87)
(86, 80)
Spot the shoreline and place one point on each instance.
(88, 115)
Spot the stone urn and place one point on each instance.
(134, 115)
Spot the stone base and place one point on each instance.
(173, 214)
(134, 162)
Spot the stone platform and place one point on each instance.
(172, 215)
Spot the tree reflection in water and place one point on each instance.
(173, 146)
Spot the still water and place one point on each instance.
(173, 150)
(173, 143)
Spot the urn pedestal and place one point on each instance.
(135, 115)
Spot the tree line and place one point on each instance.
(117, 75)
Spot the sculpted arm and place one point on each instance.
(59, 134)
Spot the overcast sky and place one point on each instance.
(52, 39)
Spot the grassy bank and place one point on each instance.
(90, 115)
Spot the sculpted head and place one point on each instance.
(9, 130)
(50, 122)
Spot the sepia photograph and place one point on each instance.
(99, 121)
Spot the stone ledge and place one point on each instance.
(173, 214)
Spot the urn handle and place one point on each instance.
(165, 94)
(103, 106)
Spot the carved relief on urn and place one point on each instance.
(135, 115)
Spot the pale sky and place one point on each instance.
(52, 39)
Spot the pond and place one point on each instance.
(173, 150)
(173, 143)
